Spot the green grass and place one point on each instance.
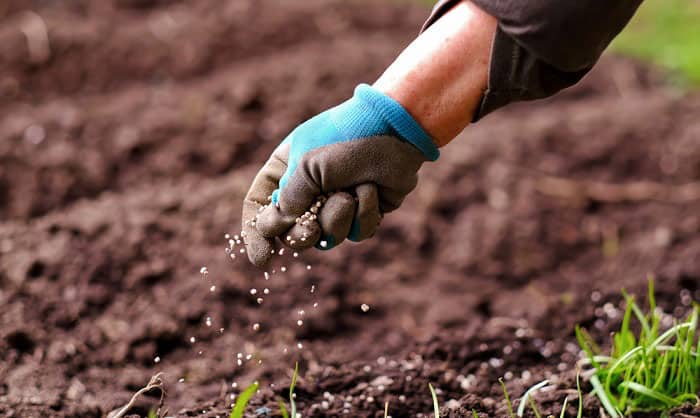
(649, 370)
(666, 32)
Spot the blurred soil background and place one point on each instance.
(130, 129)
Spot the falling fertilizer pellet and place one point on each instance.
(193, 340)
(308, 266)
(260, 301)
(253, 291)
(324, 244)
(156, 360)
(212, 289)
(203, 271)
(266, 291)
(300, 322)
(364, 307)
(283, 269)
(256, 327)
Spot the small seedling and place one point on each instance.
(653, 371)
(242, 401)
(436, 406)
(292, 403)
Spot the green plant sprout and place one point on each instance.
(436, 406)
(654, 371)
(292, 402)
(242, 401)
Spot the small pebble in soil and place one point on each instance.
(283, 269)
(300, 322)
(212, 288)
(300, 346)
(256, 327)
(156, 360)
(364, 307)
(253, 291)
(181, 380)
(308, 266)
(266, 291)
(315, 304)
(193, 340)
(260, 301)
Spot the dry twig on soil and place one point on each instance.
(156, 382)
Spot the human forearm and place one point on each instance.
(440, 77)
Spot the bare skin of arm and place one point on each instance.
(440, 77)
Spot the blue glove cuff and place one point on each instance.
(399, 119)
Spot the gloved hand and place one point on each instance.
(365, 153)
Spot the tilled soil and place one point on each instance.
(125, 153)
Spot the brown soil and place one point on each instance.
(124, 156)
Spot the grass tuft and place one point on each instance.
(651, 371)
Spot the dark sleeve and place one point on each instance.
(543, 46)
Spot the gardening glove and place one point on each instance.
(364, 153)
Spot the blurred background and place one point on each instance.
(131, 129)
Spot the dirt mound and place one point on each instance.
(120, 177)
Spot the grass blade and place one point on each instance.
(600, 392)
(283, 409)
(580, 396)
(505, 394)
(534, 408)
(292, 403)
(563, 408)
(526, 396)
(436, 406)
(242, 401)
